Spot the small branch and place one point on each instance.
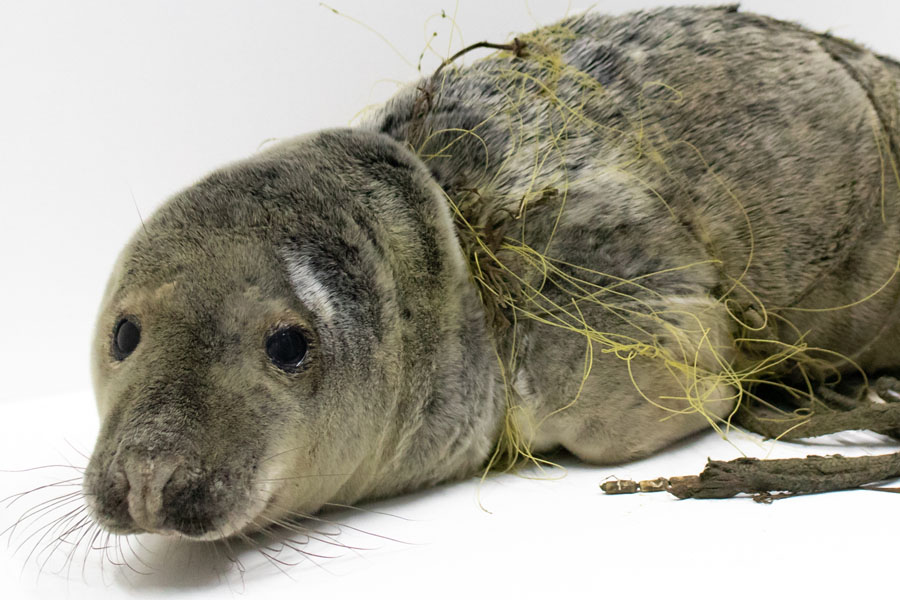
(810, 475)
(627, 486)
(425, 98)
(772, 479)
(517, 47)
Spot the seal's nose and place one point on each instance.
(146, 479)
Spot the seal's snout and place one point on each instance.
(143, 488)
(146, 478)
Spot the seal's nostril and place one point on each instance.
(146, 479)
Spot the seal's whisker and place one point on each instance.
(281, 453)
(292, 543)
(126, 556)
(73, 528)
(84, 521)
(47, 527)
(305, 554)
(35, 513)
(41, 467)
(121, 550)
(127, 543)
(304, 476)
(297, 527)
(127, 539)
(302, 515)
(37, 522)
(311, 534)
(331, 542)
(64, 523)
(80, 530)
(98, 531)
(103, 547)
(13, 498)
(103, 552)
(111, 554)
(91, 529)
(79, 453)
(133, 562)
(109, 544)
(213, 546)
(367, 510)
(48, 551)
(230, 553)
(138, 541)
(73, 495)
(262, 550)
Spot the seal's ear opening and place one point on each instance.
(126, 337)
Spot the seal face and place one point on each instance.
(268, 343)
(302, 328)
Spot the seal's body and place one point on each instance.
(302, 327)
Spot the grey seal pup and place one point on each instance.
(705, 188)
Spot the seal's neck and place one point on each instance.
(449, 403)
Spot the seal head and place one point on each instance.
(295, 329)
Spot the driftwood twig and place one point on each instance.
(770, 479)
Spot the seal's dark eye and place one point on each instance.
(126, 336)
(287, 348)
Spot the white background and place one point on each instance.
(106, 108)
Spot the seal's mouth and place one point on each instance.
(240, 522)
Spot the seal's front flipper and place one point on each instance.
(888, 388)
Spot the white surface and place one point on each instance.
(108, 107)
(547, 537)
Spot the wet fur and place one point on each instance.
(347, 234)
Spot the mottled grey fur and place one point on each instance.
(347, 234)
